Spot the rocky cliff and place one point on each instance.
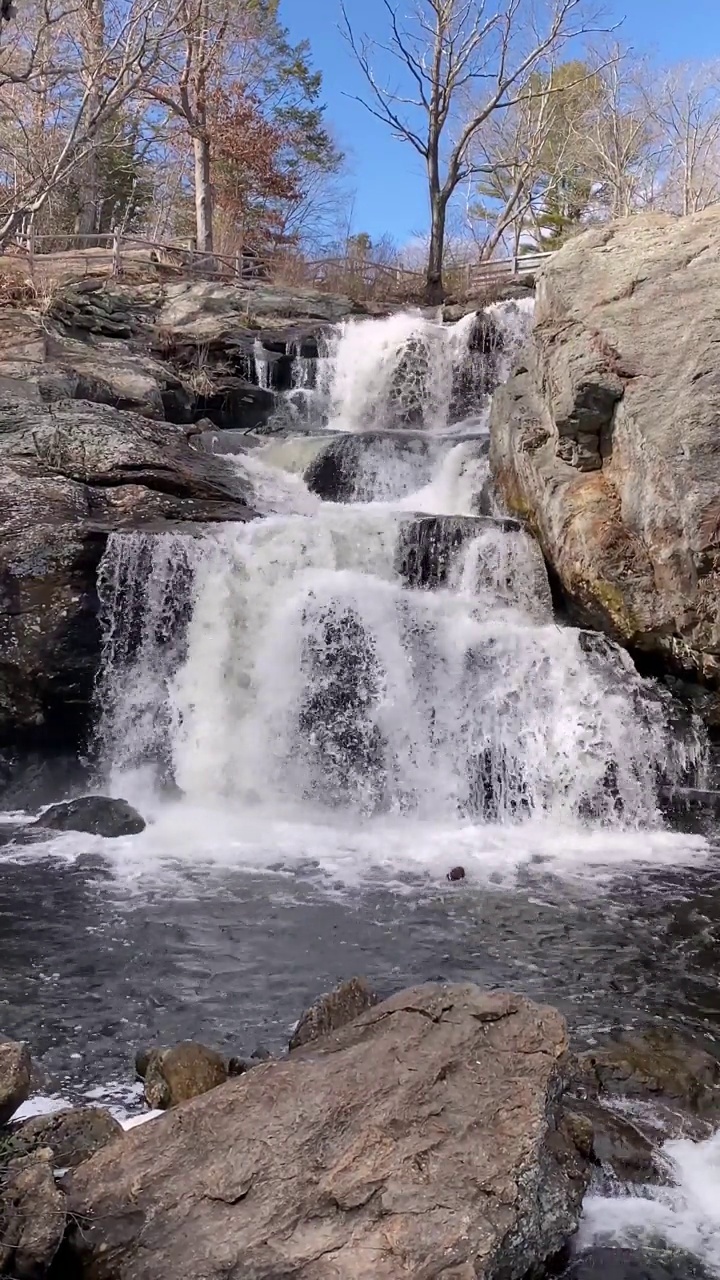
(606, 438)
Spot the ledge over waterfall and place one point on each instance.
(606, 437)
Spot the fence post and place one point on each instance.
(515, 264)
(31, 249)
(116, 253)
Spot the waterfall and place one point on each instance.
(397, 654)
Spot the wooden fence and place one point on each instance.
(115, 251)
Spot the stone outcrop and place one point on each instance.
(605, 439)
(426, 1138)
(70, 473)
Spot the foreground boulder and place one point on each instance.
(333, 1011)
(424, 1139)
(605, 439)
(96, 815)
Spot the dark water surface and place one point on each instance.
(90, 972)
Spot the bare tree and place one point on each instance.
(686, 111)
(44, 90)
(461, 61)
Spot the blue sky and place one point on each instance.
(386, 174)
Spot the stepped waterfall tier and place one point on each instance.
(391, 652)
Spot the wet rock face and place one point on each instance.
(426, 1133)
(73, 1135)
(69, 474)
(97, 815)
(605, 437)
(354, 468)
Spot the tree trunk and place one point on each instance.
(203, 193)
(92, 41)
(434, 292)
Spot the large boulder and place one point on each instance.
(332, 1011)
(424, 1138)
(605, 439)
(71, 473)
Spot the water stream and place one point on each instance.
(324, 710)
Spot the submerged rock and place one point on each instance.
(334, 1010)
(425, 1136)
(72, 1135)
(605, 438)
(660, 1064)
(97, 815)
(187, 1070)
(428, 545)
(15, 1077)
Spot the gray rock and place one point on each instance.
(425, 1138)
(15, 1077)
(605, 439)
(657, 1063)
(70, 473)
(73, 1135)
(187, 1070)
(333, 1011)
(428, 546)
(97, 815)
(32, 1217)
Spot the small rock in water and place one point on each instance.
(15, 1077)
(261, 1054)
(456, 873)
(239, 1066)
(333, 1010)
(183, 1072)
(96, 815)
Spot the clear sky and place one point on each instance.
(386, 174)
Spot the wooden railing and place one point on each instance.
(115, 250)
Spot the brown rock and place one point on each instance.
(456, 873)
(15, 1077)
(333, 1011)
(659, 1063)
(32, 1217)
(183, 1072)
(424, 1139)
(73, 1135)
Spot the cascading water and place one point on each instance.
(361, 658)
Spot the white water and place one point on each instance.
(292, 664)
(685, 1216)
